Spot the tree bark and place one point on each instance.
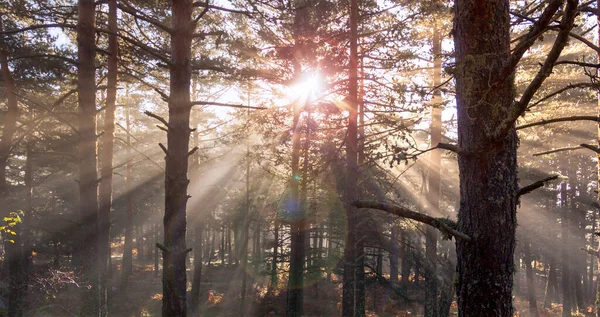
(88, 179)
(105, 189)
(488, 162)
(176, 181)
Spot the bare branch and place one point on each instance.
(39, 26)
(407, 213)
(163, 148)
(533, 186)
(64, 58)
(529, 39)
(205, 5)
(162, 247)
(159, 118)
(125, 7)
(591, 252)
(555, 120)
(220, 104)
(590, 147)
(449, 147)
(558, 150)
(519, 108)
(192, 151)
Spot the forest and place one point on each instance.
(297, 158)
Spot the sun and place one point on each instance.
(307, 89)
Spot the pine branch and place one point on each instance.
(407, 213)
(533, 186)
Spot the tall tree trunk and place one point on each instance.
(565, 258)
(106, 159)
(597, 297)
(406, 263)
(88, 179)
(433, 179)
(10, 120)
(246, 224)
(353, 277)
(275, 256)
(295, 292)
(550, 283)
(488, 166)
(394, 255)
(13, 251)
(127, 267)
(198, 234)
(176, 181)
(530, 280)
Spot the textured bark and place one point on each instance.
(488, 164)
(533, 311)
(433, 180)
(353, 277)
(176, 181)
(88, 179)
(106, 159)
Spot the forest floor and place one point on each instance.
(57, 294)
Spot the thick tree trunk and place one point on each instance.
(176, 181)
(106, 159)
(488, 166)
(88, 179)
(352, 304)
(433, 180)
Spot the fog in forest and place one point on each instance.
(299, 158)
